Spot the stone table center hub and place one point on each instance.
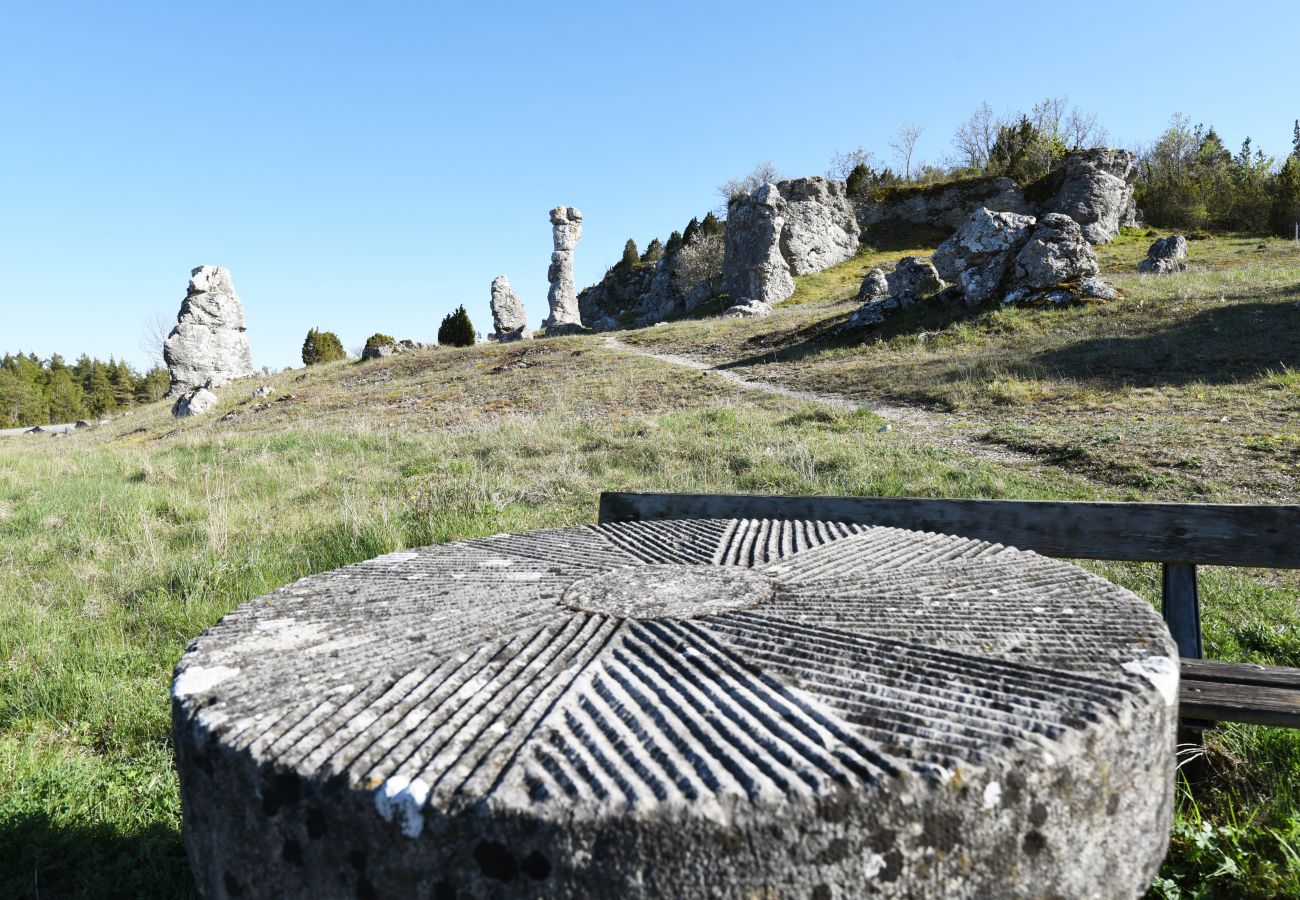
(687, 708)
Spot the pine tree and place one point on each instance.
(692, 231)
(456, 329)
(674, 243)
(630, 256)
(712, 225)
(1295, 139)
(322, 347)
(653, 252)
(99, 395)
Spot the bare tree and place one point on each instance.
(762, 173)
(844, 163)
(974, 138)
(1081, 131)
(903, 143)
(153, 334)
(1048, 115)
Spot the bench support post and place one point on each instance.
(1181, 608)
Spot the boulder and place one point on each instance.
(748, 308)
(875, 286)
(913, 279)
(379, 351)
(1165, 256)
(566, 229)
(1095, 188)
(209, 345)
(978, 257)
(509, 319)
(786, 229)
(194, 403)
(1055, 253)
(263, 391)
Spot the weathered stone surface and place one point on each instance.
(379, 351)
(1165, 256)
(781, 230)
(675, 285)
(913, 279)
(566, 229)
(195, 403)
(209, 345)
(264, 391)
(978, 257)
(748, 308)
(682, 709)
(1055, 253)
(1096, 190)
(875, 286)
(509, 318)
(942, 205)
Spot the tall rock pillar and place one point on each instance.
(566, 228)
(209, 345)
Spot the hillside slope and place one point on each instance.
(119, 544)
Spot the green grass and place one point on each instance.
(120, 544)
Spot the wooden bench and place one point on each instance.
(1179, 536)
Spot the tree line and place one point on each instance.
(1188, 178)
(43, 392)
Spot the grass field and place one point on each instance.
(120, 544)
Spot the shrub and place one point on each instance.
(322, 347)
(378, 339)
(456, 329)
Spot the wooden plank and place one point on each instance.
(1240, 673)
(1203, 533)
(1226, 702)
(1180, 606)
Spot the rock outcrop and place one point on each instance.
(749, 308)
(209, 345)
(883, 294)
(194, 403)
(509, 319)
(1095, 188)
(978, 257)
(678, 284)
(566, 229)
(1165, 256)
(782, 230)
(945, 205)
(379, 351)
(1009, 258)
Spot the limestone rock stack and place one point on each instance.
(566, 229)
(509, 319)
(209, 345)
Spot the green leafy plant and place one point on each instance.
(322, 347)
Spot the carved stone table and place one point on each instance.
(682, 709)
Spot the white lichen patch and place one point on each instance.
(199, 679)
(402, 801)
(1161, 671)
(399, 556)
(992, 795)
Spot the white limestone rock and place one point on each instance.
(1165, 256)
(978, 257)
(509, 319)
(194, 403)
(209, 345)
(566, 229)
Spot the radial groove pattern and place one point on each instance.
(682, 707)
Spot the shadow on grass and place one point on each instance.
(1225, 344)
(41, 858)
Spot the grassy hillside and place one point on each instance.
(119, 544)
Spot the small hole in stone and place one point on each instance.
(366, 890)
(357, 859)
(315, 823)
(495, 861)
(1035, 843)
(233, 887)
(279, 791)
(291, 852)
(536, 866)
(444, 891)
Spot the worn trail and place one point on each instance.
(934, 428)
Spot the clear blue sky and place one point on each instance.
(368, 166)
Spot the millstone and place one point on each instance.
(692, 708)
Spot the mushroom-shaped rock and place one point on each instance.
(566, 229)
(682, 709)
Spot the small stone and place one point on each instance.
(263, 391)
(914, 279)
(884, 428)
(748, 308)
(195, 403)
(1165, 256)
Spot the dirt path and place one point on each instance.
(934, 428)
